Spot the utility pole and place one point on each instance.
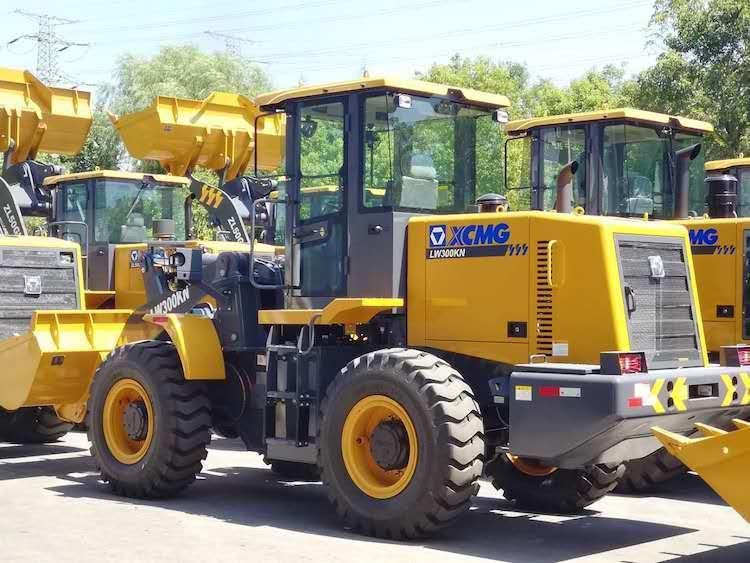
(49, 44)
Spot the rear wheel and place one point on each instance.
(529, 484)
(32, 425)
(644, 474)
(401, 444)
(148, 426)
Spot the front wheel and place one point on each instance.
(401, 444)
(148, 426)
(531, 485)
(642, 475)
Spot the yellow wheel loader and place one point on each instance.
(631, 163)
(409, 344)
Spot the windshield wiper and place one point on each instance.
(148, 182)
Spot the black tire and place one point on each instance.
(449, 433)
(642, 475)
(32, 425)
(565, 491)
(181, 426)
(296, 471)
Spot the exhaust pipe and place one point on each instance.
(682, 202)
(565, 187)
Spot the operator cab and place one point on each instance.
(627, 161)
(100, 209)
(363, 157)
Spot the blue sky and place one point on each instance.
(324, 40)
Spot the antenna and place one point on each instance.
(49, 44)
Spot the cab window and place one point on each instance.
(560, 147)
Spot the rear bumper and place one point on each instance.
(571, 420)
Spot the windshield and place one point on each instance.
(638, 175)
(428, 154)
(125, 213)
(743, 196)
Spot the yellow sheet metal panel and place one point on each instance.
(649, 117)
(555, 274)
(339, 311)
(41, 118)
(717, 248)
(409, 86)
(116, 175)
(54, 362)
(197, 344)
(95, 299)
(715, 165)
(720, 458)
(215, 133)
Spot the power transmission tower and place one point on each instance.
(49, 44)
(232, 43)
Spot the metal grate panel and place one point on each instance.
(543, 301)
(658, 301)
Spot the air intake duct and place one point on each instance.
(722, 196)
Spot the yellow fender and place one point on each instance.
(197, 344)
(721, 458)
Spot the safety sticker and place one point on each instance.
(560, 349)
(523, 392)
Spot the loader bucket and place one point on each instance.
(53, 363)
(721, 458)
(217, 133)
(35, 117)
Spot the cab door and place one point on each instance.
(318, 194)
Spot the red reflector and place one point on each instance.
(635, 402)
(160, 320)
(630, 363)
(549, 391)
(743, 355)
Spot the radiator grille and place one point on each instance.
(659, 305)
(34, 279)
(543, 301)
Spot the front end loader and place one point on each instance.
(409, 344)
(632, 163)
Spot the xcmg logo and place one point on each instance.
(468, 235)
(706, 241)
(701, 237)
(464, 241)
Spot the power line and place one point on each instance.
(48, 44)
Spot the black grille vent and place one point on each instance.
(34, 279)
(658, 301)
(543, 301)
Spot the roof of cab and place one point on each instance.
(713, 165)
(493, 101)
(116, 175)
(522, 125)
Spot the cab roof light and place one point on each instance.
(623, 363)
(735, 356)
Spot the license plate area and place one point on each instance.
(703, 391)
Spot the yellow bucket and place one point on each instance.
(35, 117)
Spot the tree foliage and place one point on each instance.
(704, 71)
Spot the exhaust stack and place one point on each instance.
(565, 187)
(684, 157)
(722, 196)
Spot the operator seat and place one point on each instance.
(420, 188)
(134, 230)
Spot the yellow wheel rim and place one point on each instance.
(125, 395)
(531, 466)
(365, 472)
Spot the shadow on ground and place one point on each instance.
(252, 496)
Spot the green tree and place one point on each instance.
(704, 71)
(102, 148)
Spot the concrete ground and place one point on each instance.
(53, 508)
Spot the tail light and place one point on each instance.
(623, 363)
(735, 356)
